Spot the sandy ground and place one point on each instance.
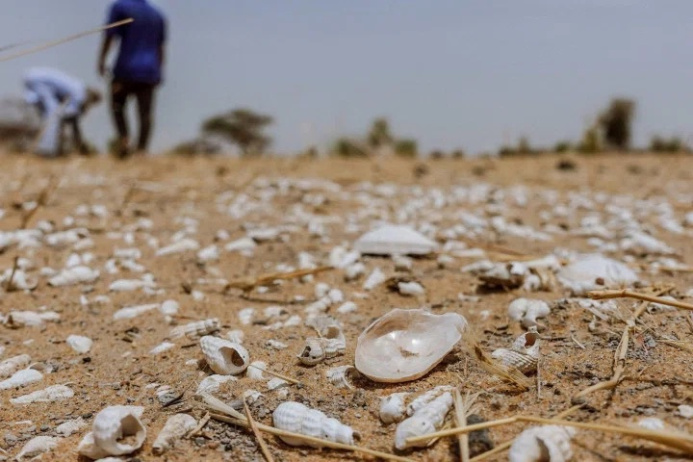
(119, 368)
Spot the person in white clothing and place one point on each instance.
(61, 100)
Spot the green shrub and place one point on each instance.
(616, 123)
(406, 147)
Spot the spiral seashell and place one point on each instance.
(295, 417)
(316, 350)
(339, 376)
(376, 278)
(175, 428)
(131, 312)
(183, 245)
(160, 348)
(196, 329)
(393, 408)
(37, 446)
(166, 394)
(47, 395)
(13, 364)
(115, 423)
(524, 354)
(79, 343)
(21, 378)
(426, 398)
(74, 275)
(548, 443)
(224, 357)
(427, 419)
(254, 372)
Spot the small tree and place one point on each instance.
(241, 127)
(590, 142)
(379, 134)
(348, 147)
(673, 144)
(406, 148)
(616, 123)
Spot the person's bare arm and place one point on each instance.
(73, 122)
(105, 48)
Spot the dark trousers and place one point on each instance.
(144, 94)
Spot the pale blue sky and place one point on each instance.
(451, 73)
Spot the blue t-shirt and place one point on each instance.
(140, 41)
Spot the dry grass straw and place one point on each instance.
(248, 284)
(9, 285)
(463, 407)
(258, 436)
(277, 374)
(51, 44)
(626, 293)
(41, 201)
(228, 414)
(619, 365)
(670, 438)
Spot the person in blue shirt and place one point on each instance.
(61, 100)
(138, 67)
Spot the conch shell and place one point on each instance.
(223, 356)
(297, 418)
(111, 426)
(405, 345)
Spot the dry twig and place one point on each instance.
(248, 284)
(258, 436)
(626, 293)
(40, 202)
(277, 374)
(9, 285)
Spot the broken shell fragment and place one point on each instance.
(21, 379)
(297, 418)
(13, 364)
(405, 345)
(527, 311)
(175, 428)
(79, 343)
(223, 356)
(427, 419)
(118, 430)
(213, 383)
(339, 376)
(524, 354)
(582, 275)
(548, 443)
(394, 240)
(47, 395)
(74, 275)
(393, 408)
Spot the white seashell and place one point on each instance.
(250, 396)
(685, 411)
(404, 345)
(426, 420)
(347, 307)
(74, 275)
(528, 310)
(183, 245)
(376, 278)
(393, 408)
(295, 417)
(394, 240)
(128, 285)
(79, 343)
(236, 336)
(354, 271)
(176, 427)
(276, 383)
(47, 395)
(313, 351)
(21, 378)
(321, 289)
(209, 253)
(17, 319)
(112, 427)
(652, 423)
(20, 280)
(131, 312)
(244, 245)
(402, 262)
(37, 446)
(426, 398)
(13, 364)
(524, 354)
(166, 394)
(213, 383)
(410, 288)
(224, 357)
(71, 426)
(276, 344)
(196, 329)
(339, 376)
(581, 275)
(169, 308)
(160, 348)
(246, 315)
(255, 369)
(293, 321)
(548, 443)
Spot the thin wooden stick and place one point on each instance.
(45, 46)
(246, 285)
(671, 438)
(505, 446)
(239, 419)
(9, 285)
(626, 293)
(258, 436)
(462, 409)
(203, 421)
(276, 374)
